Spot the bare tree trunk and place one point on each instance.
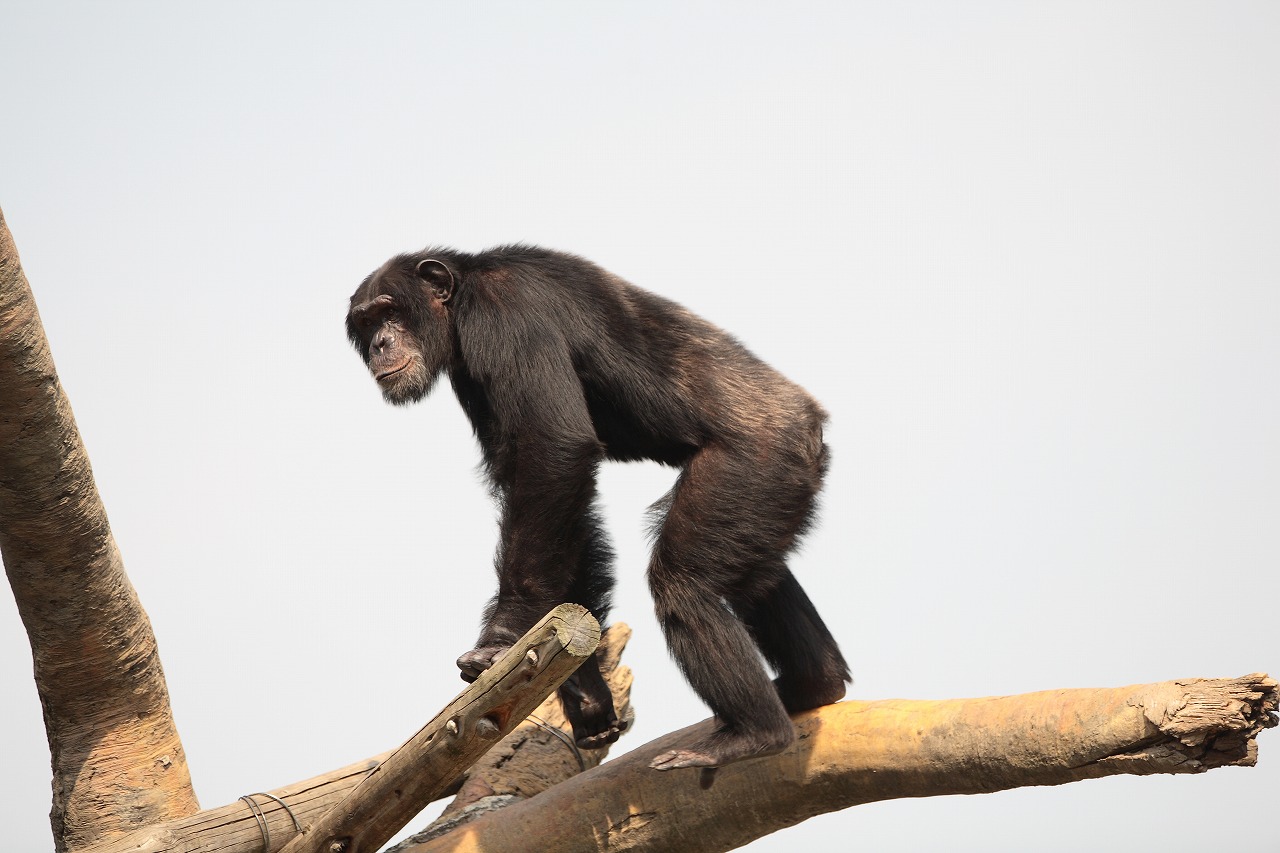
(118, 763)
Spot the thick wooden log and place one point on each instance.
(424, 766)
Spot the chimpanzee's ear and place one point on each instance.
(438, 277)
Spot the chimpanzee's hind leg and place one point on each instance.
(722, 521)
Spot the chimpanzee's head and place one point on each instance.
(400, 324)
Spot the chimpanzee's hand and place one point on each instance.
(478, 660)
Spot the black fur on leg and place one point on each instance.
(795, 641)
(752, 720)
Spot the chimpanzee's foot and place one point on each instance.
(588, 705)
(723, 747)
(478, 660)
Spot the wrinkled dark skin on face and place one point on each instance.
(559, 364)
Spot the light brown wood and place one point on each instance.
(417, 772)
(118, 763)
(861, 752)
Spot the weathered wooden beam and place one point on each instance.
(539, 754)
(424, 766)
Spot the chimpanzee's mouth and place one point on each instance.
(387, 374)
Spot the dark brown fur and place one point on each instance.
(559, 364)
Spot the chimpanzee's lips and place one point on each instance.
(386, 374)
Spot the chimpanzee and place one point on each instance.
(559, 364)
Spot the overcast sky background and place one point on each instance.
(1027, 255)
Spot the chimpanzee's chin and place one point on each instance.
(407, 393)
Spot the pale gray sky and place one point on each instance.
(1025, 253)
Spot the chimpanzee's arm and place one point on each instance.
(542, 455)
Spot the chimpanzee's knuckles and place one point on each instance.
(476, 661)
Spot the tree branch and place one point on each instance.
(118, 763)
(861, 752)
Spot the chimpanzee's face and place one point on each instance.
(399, 324)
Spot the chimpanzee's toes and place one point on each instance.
(723, 747)
(610, 734)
